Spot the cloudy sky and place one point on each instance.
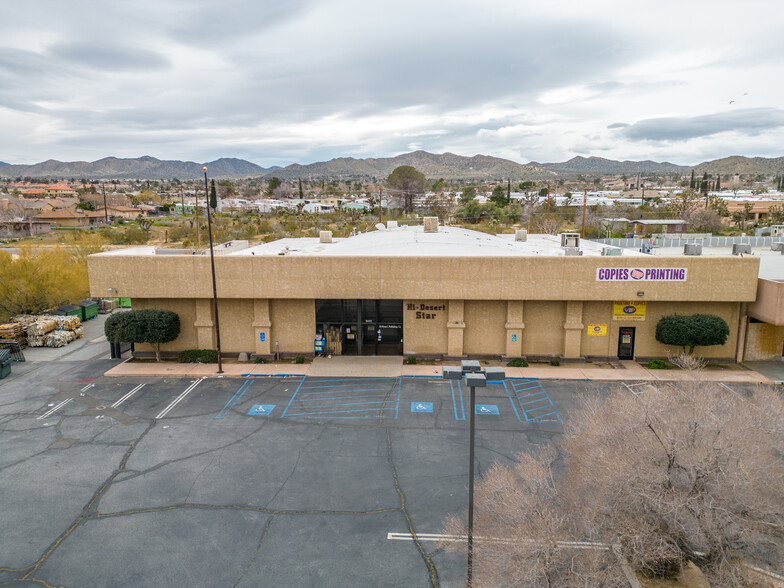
(285, 81)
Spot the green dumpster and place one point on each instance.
(70, 310)
(124, 302)
(5, 363)
(89, 309)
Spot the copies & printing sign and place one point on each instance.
(641, 274)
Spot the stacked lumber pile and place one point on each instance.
(50, 331)
(14, 331)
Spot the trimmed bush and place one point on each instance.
(299, 359)
(690, 331)
(517, 362)
(198, 356)
(143, 326)
(658, 364)
(261, 360)
(411, 359)
(555, 361)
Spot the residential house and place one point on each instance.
(71, 218)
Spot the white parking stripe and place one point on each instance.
(177, 400)
(59, 406)
(458, 538)
(127, 396)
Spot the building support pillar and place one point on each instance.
(205, 326)
(455, 327)
(262, 326)
(514, 328)
(573, 329)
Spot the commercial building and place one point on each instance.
(433, 291)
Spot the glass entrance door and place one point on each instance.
(626, 343)
(360, 327)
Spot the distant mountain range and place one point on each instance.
(141, 168)
(445, 165)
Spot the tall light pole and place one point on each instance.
(212, 265)
(105, 210)
(475, 378)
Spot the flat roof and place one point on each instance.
(413, 241)
(771, 262)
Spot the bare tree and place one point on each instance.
(677, 473)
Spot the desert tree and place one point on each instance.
(405, 182)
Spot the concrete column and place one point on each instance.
(514, 328)
(573, 329)
(262, 326)
(455, 326)
(205, 327)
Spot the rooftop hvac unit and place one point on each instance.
(325, 236)
(647, 248)
(611, 251)
(741, 248)
(431, 224)
(391, 224)
(776, 230)
(521, 235)
(692, 249)
(778, 246)
(572, 251)
(570, 239)
(174, 252)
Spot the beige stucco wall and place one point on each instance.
(419, 278)
(522, 306)
(769, 305)
(764, 341)
(426, 334)
(485, 333)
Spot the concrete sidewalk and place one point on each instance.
(392, 367)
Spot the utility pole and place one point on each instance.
(380, 197)
(548, 200)
(196, 216)
(182, 199)
(105, 210)
(530, 210)
(585, 199)
(212, 266)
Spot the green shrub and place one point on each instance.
(555, 361)
(198, 356)
(411, 359)
(299, 359)
(658, 364)
(261, 360)
(517, 362)
(690, 331)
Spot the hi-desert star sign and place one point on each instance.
(641, 274)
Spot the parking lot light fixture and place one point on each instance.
(475, 378)
(212, 266)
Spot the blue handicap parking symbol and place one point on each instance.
(421, 407)
(261, 409)
(486, 409)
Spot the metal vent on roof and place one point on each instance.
(692, 249)
(611, 251)
(741, 248)
(521, 235)
(325, 236)
(570, 239)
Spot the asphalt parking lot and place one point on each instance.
(284, 481)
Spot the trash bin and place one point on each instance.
(5, 363)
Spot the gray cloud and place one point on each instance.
(750, 121)
(104, 56)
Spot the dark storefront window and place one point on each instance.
(360, 327)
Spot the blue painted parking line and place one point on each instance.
(331, 398)
(261, 409)
(234, 399)
(454, 402)
(486, 409)
(421, 407)
(512, 402)
(536, 404)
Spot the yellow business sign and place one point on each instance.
(629, 311)
(597, 330)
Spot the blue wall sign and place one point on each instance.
(262, 336)
(421, 407)
(514, 337)
(486, 409)
(261, 409)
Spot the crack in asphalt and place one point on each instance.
(433, 572)
(255, 555)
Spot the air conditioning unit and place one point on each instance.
(431, 224)
(692, 249)
(572, 251)
(741, 248)
(570, 240)
(521, 235)
(778, 246)
(776, 230)
(611, 251)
